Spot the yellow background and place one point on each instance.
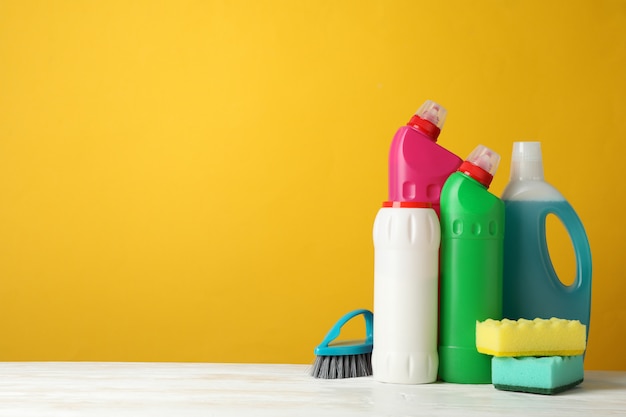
(197, 180)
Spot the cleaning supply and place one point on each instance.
(472, 232)
(406, 267)
(345, 359)
(538, 356)
(531, 287)
(538, 337)
(418, 166)
(544, 375)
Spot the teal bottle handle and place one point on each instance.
(580, 242)
(323, 349)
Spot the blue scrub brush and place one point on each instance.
(345, 359)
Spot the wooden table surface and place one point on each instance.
(42, 389)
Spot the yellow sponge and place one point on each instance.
(538, 337)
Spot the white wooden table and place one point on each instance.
(42, 389)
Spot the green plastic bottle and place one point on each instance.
(472, 238)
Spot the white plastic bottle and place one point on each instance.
(406, 268)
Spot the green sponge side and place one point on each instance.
(534, 390)
(541, 375)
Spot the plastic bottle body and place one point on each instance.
(406, 253)
(472, 238)
(531, 287)
(418, 167)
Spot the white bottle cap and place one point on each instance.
(433, 112)
(429, 119)
(485, 158)
(526, 161)
(481, 165)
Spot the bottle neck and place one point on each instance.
(407, 204)
(477, 173)
(428, 128)
(526, 171)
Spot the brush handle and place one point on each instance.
(323, 349)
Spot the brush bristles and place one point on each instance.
(337, 367)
